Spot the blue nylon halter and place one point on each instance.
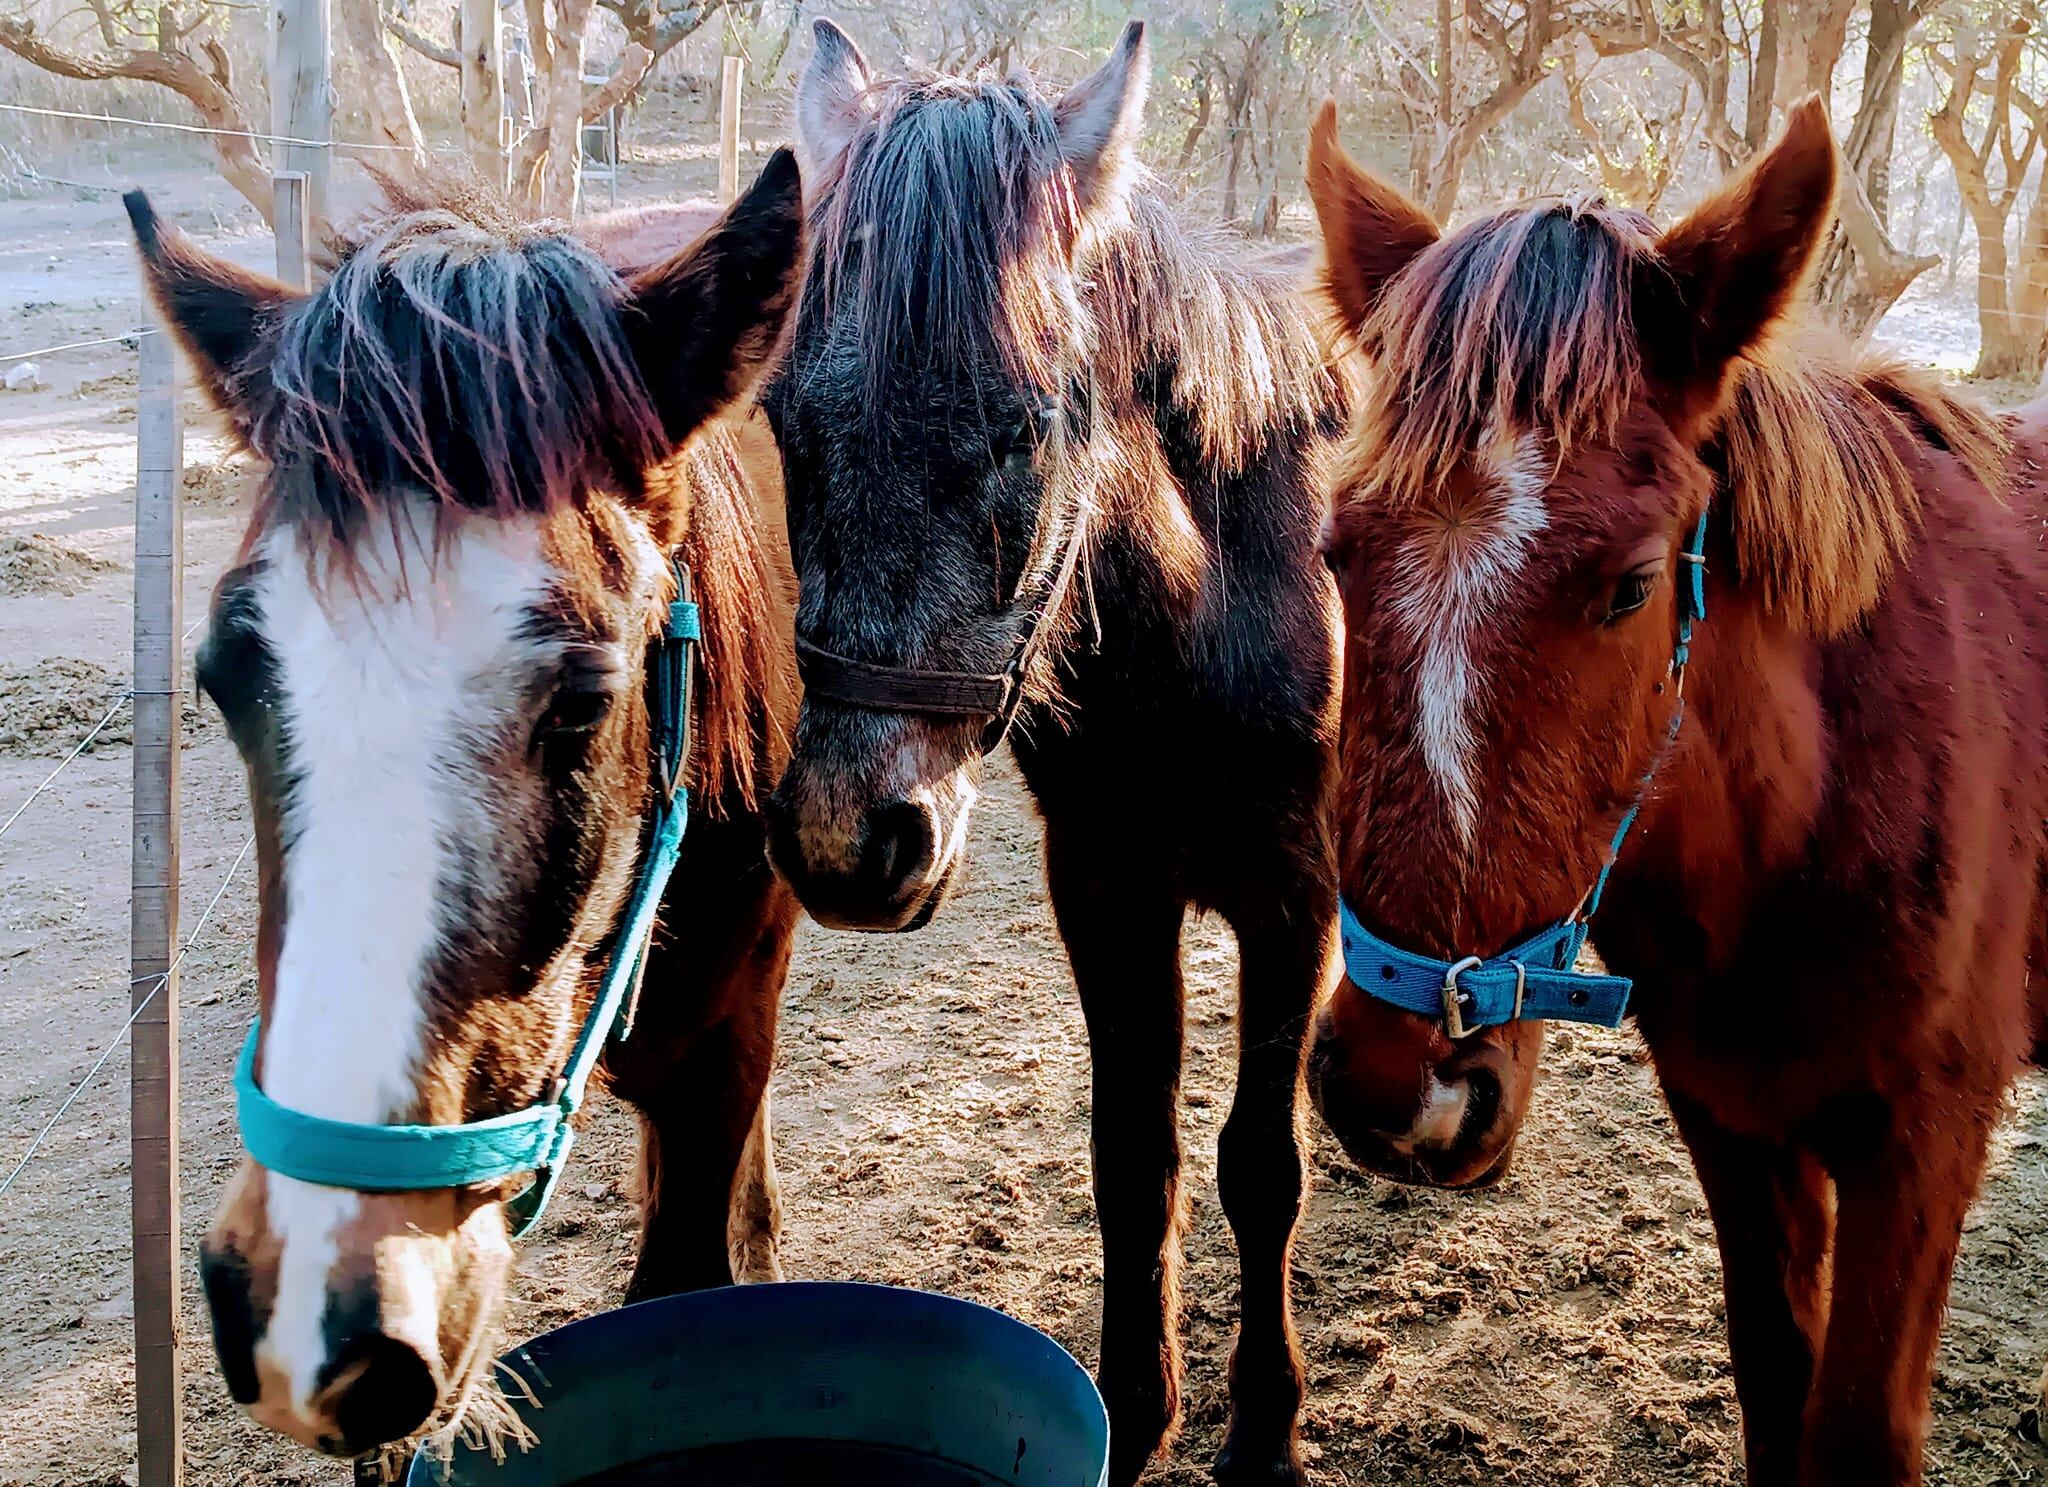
(1537, 979)
(414, 1158)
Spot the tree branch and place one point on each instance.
(420, 42)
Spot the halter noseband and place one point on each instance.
(995, 695)
(415, 1158)
(1537, 980)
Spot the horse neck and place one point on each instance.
(1737, 800)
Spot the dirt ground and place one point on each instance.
(931, 1096)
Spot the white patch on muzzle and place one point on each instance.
(1452, 577)
(388, 685)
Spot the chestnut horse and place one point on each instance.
(1831, 901)
(1052, 459)
(489, 458)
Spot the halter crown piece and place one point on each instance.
(412, 1158)
(1537, 980)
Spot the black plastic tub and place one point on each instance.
(799, 1383)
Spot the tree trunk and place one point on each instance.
(390, 106)
(2000, 346)
(1205, 104)
(2029, 310)
(1873, 271)
(482, 57)
(562, 171)
(1763, 81)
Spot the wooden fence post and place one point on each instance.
(302, 95)
(293, 229)
(729, 128)
(153, 915)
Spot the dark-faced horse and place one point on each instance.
(1052, 463)
(455, 660)
(1637, 580)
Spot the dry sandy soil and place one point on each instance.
(1565, 1328)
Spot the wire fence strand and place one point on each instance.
(51, 778)
(127, 335)
(162, 979)
(253, 135)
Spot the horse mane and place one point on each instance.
(1525, 320)
(462, 353)
(950, 207)
(1824, 452)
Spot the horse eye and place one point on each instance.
(1630, 594)
(1019, 446)
(572, 714)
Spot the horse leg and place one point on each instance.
(1902, 1191)
(1770, 1208)
(1123, 938)
(756, 1224)
(707, 1188)
(1259, 1175)
(695, 1128)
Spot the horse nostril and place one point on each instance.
(1482, 1106)
(385, 1392)
(224, 1275)
(897, 848)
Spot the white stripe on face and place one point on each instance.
(1452, 575)
(388, 684)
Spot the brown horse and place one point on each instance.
(488, 454)
(1832, 901)
(1009, 357)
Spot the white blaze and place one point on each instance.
(1453, 575)
(386, 685)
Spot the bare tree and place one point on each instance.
(389, 105)
(1984, 65)
(172, 47)
(1637, 174)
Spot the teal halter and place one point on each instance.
(1538, 979)
(411, 1158)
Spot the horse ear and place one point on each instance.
(1099, 118)
(708, 321)
(224, 316)
(1370, 230)
(832, 101)
(1739, 261)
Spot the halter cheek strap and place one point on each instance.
(995, 695)
(417, 1158)
(1537, 980)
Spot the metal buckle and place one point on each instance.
(1521, 985)
(1454, 1019)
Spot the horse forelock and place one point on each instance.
(937, 228)
(949, 234)
(1519, 321)
(460, 355)
(1525, 322)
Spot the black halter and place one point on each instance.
(995, 695)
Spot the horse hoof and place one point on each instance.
(1141, 1422)
(1238, 1465)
